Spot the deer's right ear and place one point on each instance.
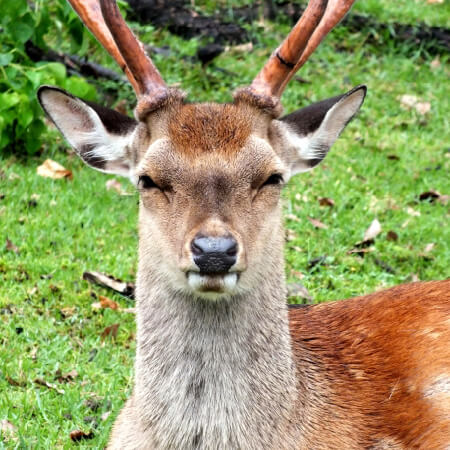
(101, 136)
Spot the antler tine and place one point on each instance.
(269, 80)
(104, 20)
(319, 17)
(90, 13)
(334, 13)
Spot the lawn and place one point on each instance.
(388, 157)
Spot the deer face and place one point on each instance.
(209, 178)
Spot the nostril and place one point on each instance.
(233, 248)
(196, 248)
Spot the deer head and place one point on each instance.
(209, 175)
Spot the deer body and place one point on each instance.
(221, 363)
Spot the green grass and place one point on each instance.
(47, 322)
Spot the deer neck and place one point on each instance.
(214, 374)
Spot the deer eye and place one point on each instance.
(145, 182)
(275, 178)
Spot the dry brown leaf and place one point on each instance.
(78, 435)
(392, 236)
(11, 247)
(54, 170)
(326, 201)
(68, 311)
(373, 231)
(115, 185)
(360, 251)
(412, 102)
(42, 382)
(66, 377)
(317, 223)
(110, 331)
(241, 48)
(106, 302)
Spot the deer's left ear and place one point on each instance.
(308, 134)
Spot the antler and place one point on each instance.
(104, 20)
(317, 20)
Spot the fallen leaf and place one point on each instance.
(46, 384)
(412, 212)
(414, 277)
(78, 435)
(106, 302)
(68, 311)
(110, 331)
(115, 185)
(105, 415)
(317, 223)
(66, 377)
(429, 247)
(412, 102)
(54, 170)
(11, 247)
(373, 231)
(392, 236)
(326, 201)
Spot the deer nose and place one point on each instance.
(214, 254)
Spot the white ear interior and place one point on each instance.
(85, 132)
(313, 147)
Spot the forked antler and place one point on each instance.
(317, 20)
(104, 20)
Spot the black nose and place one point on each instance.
(214, 254)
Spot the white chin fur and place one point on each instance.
(212, 287)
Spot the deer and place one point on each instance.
(222, 362)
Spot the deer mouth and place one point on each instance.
(213, 283)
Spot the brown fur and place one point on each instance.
(202, 128)
(370, 361)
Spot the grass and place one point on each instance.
(63, 227)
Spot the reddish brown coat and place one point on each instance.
(379, 367)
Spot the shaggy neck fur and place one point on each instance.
(214, 375)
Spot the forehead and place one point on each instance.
(195, 129)
(223, 139)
